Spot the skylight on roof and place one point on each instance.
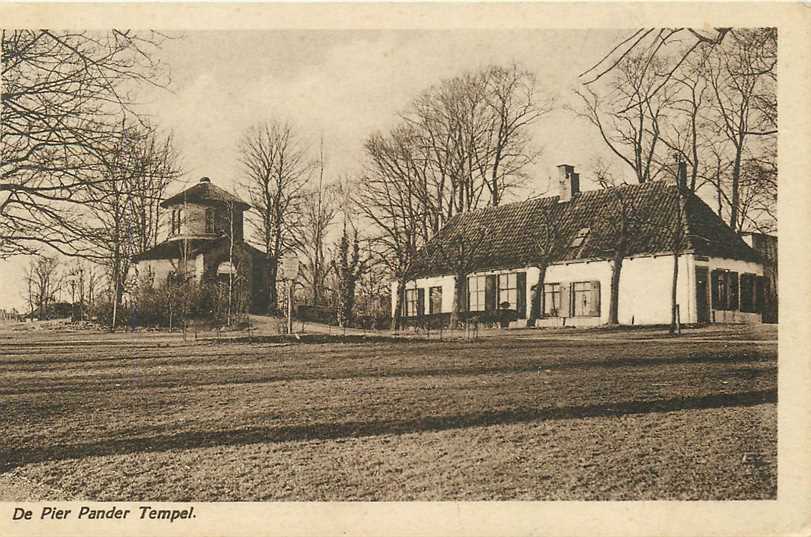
(580, 238)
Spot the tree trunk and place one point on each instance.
(736, 177)
(398, 305)
(616, 270)
(273, 298)
(673, 293)
(115, 292)
(536, 310)
(115, 312)
(458, 308)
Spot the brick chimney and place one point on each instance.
(681, 175)
(568, 183)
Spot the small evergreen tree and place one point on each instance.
(348, 268)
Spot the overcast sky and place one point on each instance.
(344, 85)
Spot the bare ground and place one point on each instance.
(591, 414)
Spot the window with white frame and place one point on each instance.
(508, 290)
(435, 304)
(551, 300)
(475, 293)
(582, 299)
(411, 303)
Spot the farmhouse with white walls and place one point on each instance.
(491, 257)
(206, 242)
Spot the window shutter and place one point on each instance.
(747, 292)
(760, 294)
(595, 298)
(714, 289)
(404, 301)
(420, 302)
(491, 293)
(521, 294)
(732, 290)
(565, 303)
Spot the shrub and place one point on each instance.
(316, 314)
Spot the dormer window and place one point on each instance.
(580, 238)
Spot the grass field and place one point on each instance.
(590, 414)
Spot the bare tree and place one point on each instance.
(513, 106)
(62, 92)
(758, 209)
(688, 133)
(81, 278)
(628, 115)
(374, 291)
(121, 210)
(276, 172)
(43, 282)
(108, 207)
(470, 141)
(743, 85)
(650, 44)
(319, 208)
(720, 114)
(389, 199)
(157, 164)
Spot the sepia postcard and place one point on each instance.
(405, 269)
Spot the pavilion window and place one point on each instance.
(177, 218)
(210, 220)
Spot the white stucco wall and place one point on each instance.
(646, 287)
(446, 282)
(644, 295)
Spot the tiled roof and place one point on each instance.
(173, 249)
(204, 191)
(502, 237)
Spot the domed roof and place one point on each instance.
(204, 192)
